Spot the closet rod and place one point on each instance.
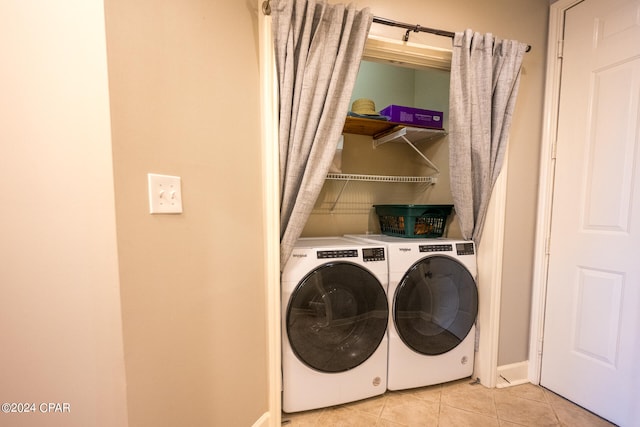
(416, 28)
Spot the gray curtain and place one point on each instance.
(318, 49)
(485, 74)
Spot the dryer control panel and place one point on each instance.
(465, 248)
(373, 254)
(436, 248)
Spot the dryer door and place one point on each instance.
(337, 317)
(435, 305)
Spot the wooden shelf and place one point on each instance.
(369, 127)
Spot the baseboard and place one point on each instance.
(263, 421)
(513, 374)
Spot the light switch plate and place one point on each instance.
(165, 195)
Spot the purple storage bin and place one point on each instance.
(413, 116)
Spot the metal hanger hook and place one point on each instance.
(416, 29)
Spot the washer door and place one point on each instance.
(435, 305)
(337, 317)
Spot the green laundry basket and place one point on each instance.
(413, 221)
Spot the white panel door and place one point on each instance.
(591, 350)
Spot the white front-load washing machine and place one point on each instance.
(334, 323)
(433, 305)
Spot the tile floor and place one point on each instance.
(459, 403)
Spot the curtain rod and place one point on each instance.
(266, 9)
(417, 28)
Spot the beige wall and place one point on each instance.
(61, 335)
(185, 101)
(524, 20)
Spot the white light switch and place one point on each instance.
(165, 196)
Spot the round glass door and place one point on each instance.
(337, 317)
(435, 305)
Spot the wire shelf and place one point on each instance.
(381, 178)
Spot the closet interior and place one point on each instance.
(379, 163)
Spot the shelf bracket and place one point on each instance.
(401, 134)
(429, 162)
(333, 207)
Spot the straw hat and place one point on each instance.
(364, 106)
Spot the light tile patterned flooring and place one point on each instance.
(456, 404)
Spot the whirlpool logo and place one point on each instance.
(405, 249)
(299, 255)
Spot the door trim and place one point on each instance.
(545, 184)
(406, 54)
(271, 221)
(490, 254)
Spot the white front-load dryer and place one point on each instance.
(433, 305)
(334, 323)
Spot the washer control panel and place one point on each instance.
(368, 254)
(436, 248)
